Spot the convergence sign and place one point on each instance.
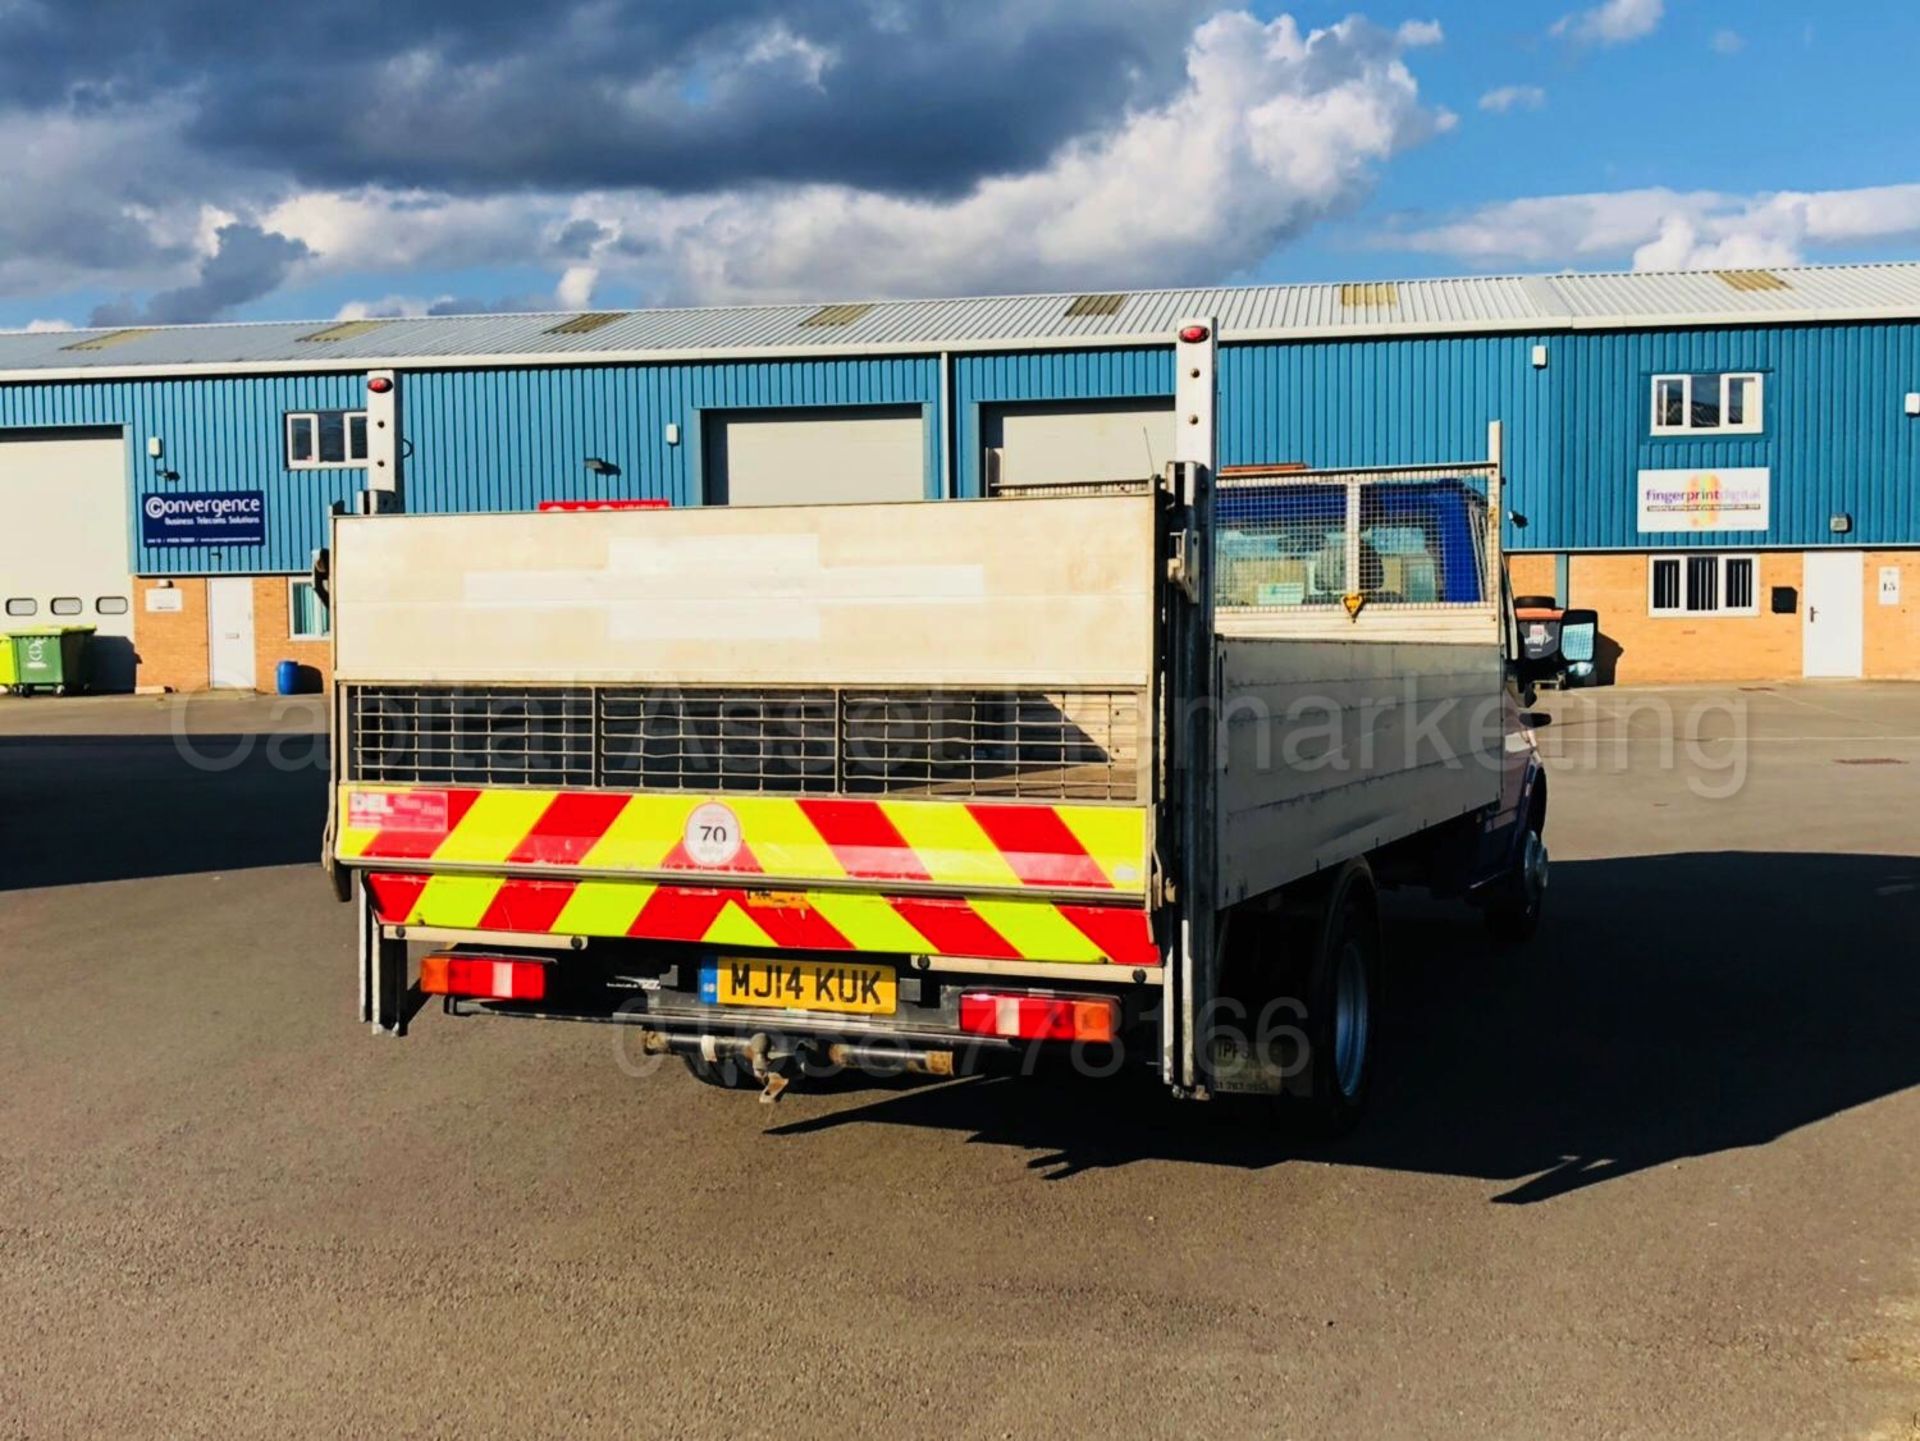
(207, 517)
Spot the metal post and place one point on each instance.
(1496, 503)
(946, 427)
(383, 441)
(1192, 712)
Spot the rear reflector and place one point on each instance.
(491, 978)
(1039, 1018)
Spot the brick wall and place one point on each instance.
(1893, 631)
(1531, 574)
(172, 645)
(1658, 649)
(272, 616)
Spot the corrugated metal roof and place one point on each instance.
(1462, 304)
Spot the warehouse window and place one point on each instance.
(67, 605)
(21, 605)
(1688, 404)
(1703, 585)
(307, 617)
(318, 438)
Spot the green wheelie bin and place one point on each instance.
(49, 657)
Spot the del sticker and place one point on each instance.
(397, 810)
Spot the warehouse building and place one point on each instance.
(1726, 465)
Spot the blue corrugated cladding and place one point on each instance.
(1391, 402)
(507, 439)
(220, 434)
(1836, 438)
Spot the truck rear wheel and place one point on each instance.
(1335, 981)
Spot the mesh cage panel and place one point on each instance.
(1403, 538)
(474, 735)
(1052, 745)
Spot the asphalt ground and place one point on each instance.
(1656, 1175)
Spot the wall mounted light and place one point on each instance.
(673, 430)
(1840, 523)
(1913, 402)
(601, 467)
(1539, 357)
(155, 449)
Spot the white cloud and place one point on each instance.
(1275, 130)
(40, 327)
(575, 290)
(389, 230)
(91, 199)
(1660, 229)
(778, 48)
(1613, 22)
(1728, 42)
(1513, 97)
(391, 307)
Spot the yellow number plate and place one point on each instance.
(838, 986)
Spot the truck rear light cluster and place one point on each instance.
(1039, 1018)
(487, 978)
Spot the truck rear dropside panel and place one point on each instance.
(903, 730)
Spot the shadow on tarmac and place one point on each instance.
(75, 809)
(1671, 1006)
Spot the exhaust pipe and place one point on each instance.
(758, 1051)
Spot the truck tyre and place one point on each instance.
(1513, 913)
(1334, 978)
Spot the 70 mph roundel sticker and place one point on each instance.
(713, 834)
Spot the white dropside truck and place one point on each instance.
(1110, 770)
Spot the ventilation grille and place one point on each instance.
(1752, 280)
(828, 315)
(1095, 305)
(1369, 295)
(585, 324)
(109, 340)
(1057, 745)
(345, 330)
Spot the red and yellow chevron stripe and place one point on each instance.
(958, 845)
(1008, 928)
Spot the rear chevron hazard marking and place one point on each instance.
(1004, 928)
(954, 845)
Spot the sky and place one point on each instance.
(204, 160)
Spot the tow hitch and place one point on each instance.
(772, 1061)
